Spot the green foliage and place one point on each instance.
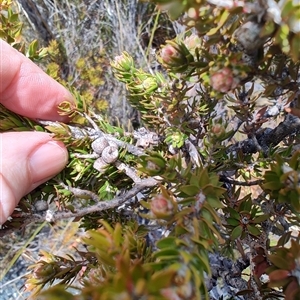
(10, 26)
(287, 35)
(283, 181)
(242, 220)
(221, 20)
(284, 269)
(13, 122)
(205, 175)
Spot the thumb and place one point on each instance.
(27, 159)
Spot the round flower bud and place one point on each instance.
(223, 80)
(123, 62)
(161, 207)
(168, 53)
(218, 130)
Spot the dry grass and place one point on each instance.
(19, 250)
(90, 27)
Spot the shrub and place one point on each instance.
(181, 207)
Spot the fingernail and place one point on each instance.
(7, 200)
(47, 161)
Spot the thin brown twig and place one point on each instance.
(52, 216)
(105, 205)
(242, 183)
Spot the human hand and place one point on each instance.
(27, 159)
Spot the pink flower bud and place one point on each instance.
(218, 129)
(168, 53)
(223, 80)
(123, 61)
(161, 207)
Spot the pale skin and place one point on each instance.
(27, 159)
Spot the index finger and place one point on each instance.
(27, 90)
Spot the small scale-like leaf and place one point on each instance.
(294, 161)
(278, 261)
(278, 283)
(295, 248)
(204, 262)
(107, 226)
(258, 259)
(97, 240)
(190, 190)
(158, 160)
(201, 242)
(31, 52)
(214, 202)
(39, 128)
(244, 292)
(236, 232)
(203, 178)
(225, 15)
(273, 185)
(234, 214)
(212, 212)
(167, 242)
(117, 234)
(279, 275)
(253, 230)
(260, 219)
(294, 199)
(295, 47)
(246, 205)
(284, 238)
(168, 253)
(161, 279)
(233, 222)
(212, 190)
